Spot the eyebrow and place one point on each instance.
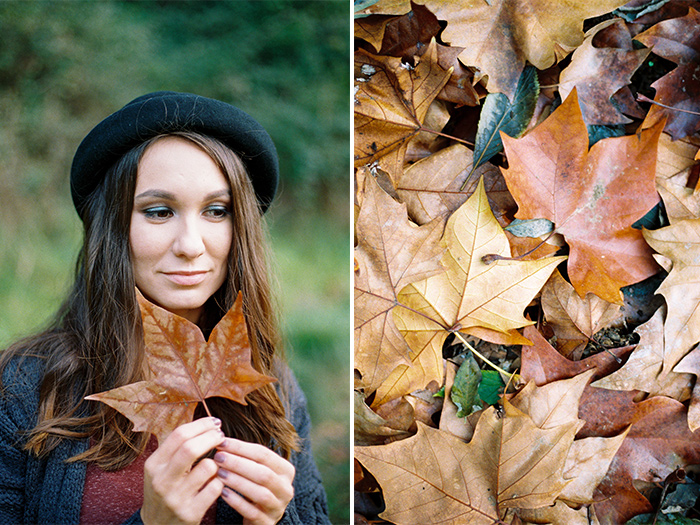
(166, 195)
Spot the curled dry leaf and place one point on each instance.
(186, 369)
(590, 64)
(391, 101)
(391, 253)
(575, 320)
(677, 40)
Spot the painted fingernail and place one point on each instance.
(219, 457)
(216, 421)
(222, 473)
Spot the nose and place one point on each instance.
(188, 242)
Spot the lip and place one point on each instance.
(192, 278)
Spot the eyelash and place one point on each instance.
(162, 212)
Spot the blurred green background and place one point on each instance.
(66, 65)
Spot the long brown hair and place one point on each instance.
(95, 342)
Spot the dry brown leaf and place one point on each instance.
(391, 253)
(593, 197)
(674, 165)
(598, 72)
(508, 463)
(573, 319)
(690, 364)
(499, 36)
(431, 187)
(643, 368)
(186, 370)
(555, 403)
(391, 100)
(680, 242)
(677, 40)
(560, 512)
(370, 428)
(371, 30)
(657, 443)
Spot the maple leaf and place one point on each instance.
(575, 320)
(673, 169)
(500, 36)
(680, 242)
(677, 40)
(599, 72)
(391, 101)
(186, 369)
(391, 253)
(593, 197)
(509, 463)
(471, 296)
(657, 443)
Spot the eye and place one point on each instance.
(217, 211)
(158, 213)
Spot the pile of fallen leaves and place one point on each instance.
(527, 263)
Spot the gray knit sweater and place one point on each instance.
(50, 491)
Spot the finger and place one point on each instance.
(209, 493)
(188, 431)
(201, 474)
(175, 462)
(248, 510)
(269, 497)
(258, 454)
(255, 473)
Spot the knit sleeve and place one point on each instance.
(309, 506)
(16, 399)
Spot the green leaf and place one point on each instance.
(499, 114)
(464, 391)
(530, 227)
(490, 387)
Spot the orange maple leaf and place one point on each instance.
(593, 197)
(185, 369)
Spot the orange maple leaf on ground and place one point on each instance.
(186, 370)
(593, 197)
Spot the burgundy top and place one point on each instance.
(112, 497)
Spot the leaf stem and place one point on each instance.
(204, 402)
(642, 98)
(480, 356)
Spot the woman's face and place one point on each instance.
(181, 227)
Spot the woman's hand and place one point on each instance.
(173, 491)
(258, 481)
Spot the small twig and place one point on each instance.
(642, 98)
(492, 257)
(451, 137)
(482, 357)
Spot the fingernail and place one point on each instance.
(219, 457)
(216, 421)
(222, 473)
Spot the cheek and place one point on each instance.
(144, 247)
(221, 245)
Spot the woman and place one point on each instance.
(170, 189)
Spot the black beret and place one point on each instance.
(164, 112)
